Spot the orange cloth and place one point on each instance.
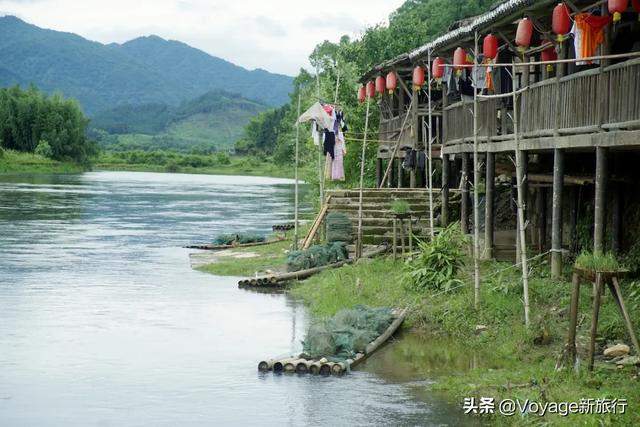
(588, 32)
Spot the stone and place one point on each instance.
(480, 329)
(617, 350)
(628, 361)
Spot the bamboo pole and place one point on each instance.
(297, 200)
(520, 181)
(397, 147)
(320, 171)
(429, 147)
(361, 195)
(476, 196)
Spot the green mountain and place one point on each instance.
(211, 121)
(147, 70)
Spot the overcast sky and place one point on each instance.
(277, 35)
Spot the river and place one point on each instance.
(103, 322)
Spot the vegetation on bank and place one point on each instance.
(253, 259)
(16, 162)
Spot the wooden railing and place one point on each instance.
(586, 102)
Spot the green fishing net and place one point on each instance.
(241, 238)
(339, 228)
(347, 333)
(317, 256)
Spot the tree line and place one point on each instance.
(55, 127)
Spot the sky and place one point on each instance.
(276, 35)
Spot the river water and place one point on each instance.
(103, 322)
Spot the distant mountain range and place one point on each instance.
(147, 70)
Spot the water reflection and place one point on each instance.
(103, 322)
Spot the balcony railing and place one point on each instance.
(585, 102)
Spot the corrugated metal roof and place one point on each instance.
(504, 10)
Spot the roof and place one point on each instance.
(509, 9)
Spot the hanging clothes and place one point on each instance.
(329, 143)
(337, 166)
(316, 134)
(421, 160)
(317, 113)
(479, 77)
(409, 162)
(588, 35)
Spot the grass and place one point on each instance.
(269, 257)
(18, 162)
(598, 262)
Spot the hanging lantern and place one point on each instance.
(548, 55)
(490, 46)
(561, 22)
(636, 7)
(362, 94)
(418, 78)
(371, 89)
(391, 82)
(437, 70)
(459, 59)
(618, 7)
(524, 34)
(381, 84)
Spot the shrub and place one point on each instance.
(172, 166)
(598, 262)
(439, 261)
(44, 149)
(223, 158)
(400, 207)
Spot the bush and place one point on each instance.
(172, 166)
(44, 149)
(400, 207)
(598, 262)
(223, 158)
(439, 261)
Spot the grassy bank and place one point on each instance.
(18, 162)
(187, 163)
(522, 360)
(251, 260)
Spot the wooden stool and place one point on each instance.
(400, 220)
(600, 279)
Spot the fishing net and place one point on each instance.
(317, 256)
(339, 228)
(347, 333)
(242, 238)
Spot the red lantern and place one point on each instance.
(459, 59)
(524, 34)
(392, 82)
(418, 77)
(381, 84)
(548, 55)
(437, 70)
(561, 22)
(490, 46)
(371, 89)
(618, 7)
(636, 7)
(362, 94)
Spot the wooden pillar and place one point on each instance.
(616, 219)
(378, 172)
(489, 203)
(556, 220)
(541, 208)
(400, 172)
(464, 202)
(573, 219)
(444, 214)
(601, 195)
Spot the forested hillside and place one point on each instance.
(413, 24)
(142, 71)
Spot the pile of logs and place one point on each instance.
(283, 227)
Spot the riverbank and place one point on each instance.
(194, 164)
(19, 162)
(522, 360)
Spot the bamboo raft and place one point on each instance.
(300, 364)
(275, 280)
(236, 246)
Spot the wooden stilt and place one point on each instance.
(400, 172)
(573, 317)
(446, 166)
(541, 207)
(601, 193)
(594, 319)
(395, 238)
(617, 294)
(378, 172)
(556, 220)
(489, 204)
(616, 218)
(573, 218)
(476, 190)
(464, 202)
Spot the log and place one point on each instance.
(325, 368)
(223, 247)
(279, 365)
(556, 221)
(375, 344)
(266, 365)
(292, 365)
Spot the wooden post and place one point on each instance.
(520, 181)
(556, 220)
(464, 202)
(594, 318)
(446, 166)
(476, 186)
(400, 173)
(428, 147)
(361, 195)
(489, 204)
(320, 150)
(573, 317)
(395, 238)
(541, 207)
(296, 202)
(616, 219)
(378, 171)
(601, 194)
